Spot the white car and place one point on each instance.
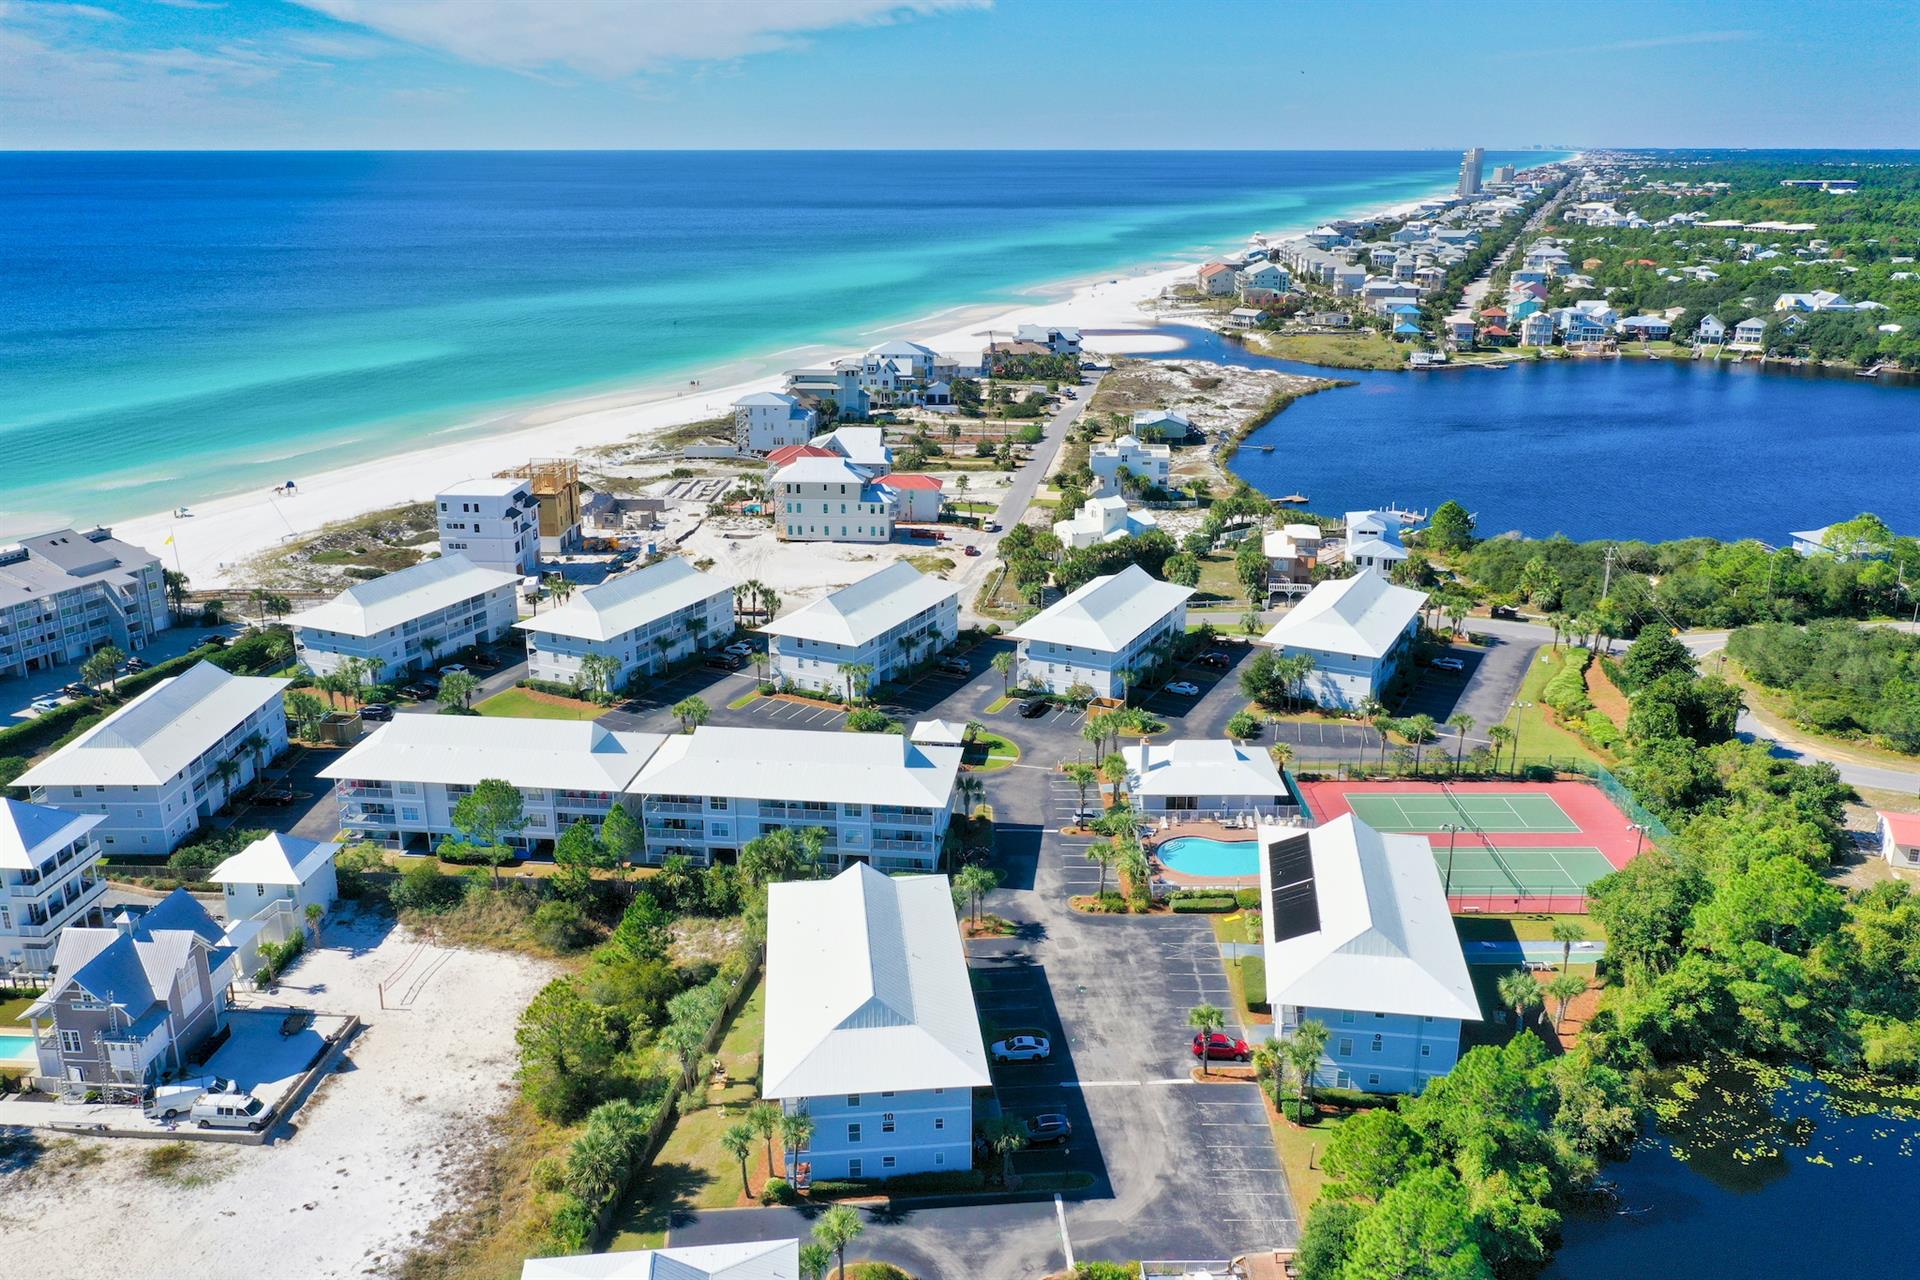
(740, 647)
(1022, 1049)
(1449, 664)
(454, 669)
(1185, 688)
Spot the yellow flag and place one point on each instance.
(169, 541)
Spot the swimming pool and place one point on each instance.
(1217, 859)
(16, 1048)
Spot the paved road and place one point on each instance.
(16, 692)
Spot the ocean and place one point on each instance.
(177, 326)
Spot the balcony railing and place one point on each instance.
(905, 846)
(673, 806)
(902, 817)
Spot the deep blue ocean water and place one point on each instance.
(178, 325)
(1595, 448)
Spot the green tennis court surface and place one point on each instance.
(1531, 872)
(1520, 811)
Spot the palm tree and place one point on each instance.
(1267, 1057)
(1303, 1050)
(815, 1258)
(1566, 933)
(1205, 1019)
(1461, 723)
(1094, 731)
(975, 883)
(1128, 677)
(738, 1140)
(796, 1131)
(1004, 664)
(1005, 1135)
(1082, 775)
(1564, 987)
(971, 790)
(1420, 729)
(432, 645)
(255, 745)
(764, 1119)
(837, 1228)
(1500, 736)
(691, 713)
(856, 674)
(1383, 725)
(227, 770)
(1103, 854)
(1519, 992)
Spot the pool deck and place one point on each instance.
(1205, 831)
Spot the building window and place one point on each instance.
(939, 1157)
(1373, 1077)
(1346, 1015)
(886, 1123)
(853, 1133)
(853, 1099)
(939, 1123)
(1346, 1046)
(1376, 1044)
(70, 1042)
(1426, 1051)
(887, 1162)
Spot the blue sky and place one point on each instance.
(956, 73)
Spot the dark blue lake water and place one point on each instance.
(1594, 448)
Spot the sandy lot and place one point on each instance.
(374, 1151)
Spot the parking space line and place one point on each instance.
(1060, 1212)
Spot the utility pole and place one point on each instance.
(1606, 582)
(1452, 832)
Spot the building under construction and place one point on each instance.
(556, 487)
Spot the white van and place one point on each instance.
(229, 1111)
(169, 1101)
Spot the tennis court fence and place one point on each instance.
(1508, 904)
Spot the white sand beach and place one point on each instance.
(221, 535)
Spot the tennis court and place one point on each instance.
(1514, 812)
(1529, 872)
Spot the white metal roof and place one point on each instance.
(1363, 615)
(816, 470)
(1384, 941)
(159, 733)
(867, 988)
(757, 1260)
(1106, 613)
(368, 608)
(571, 754)
(628, 602)
(859, 611)
(1202, 767)
(32, 833)
(798, 764)
(486, 487)
(1378, 548)
(865, 445)
(276, 859)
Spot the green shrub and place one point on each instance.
(351, 865)
(572, 1227)
(1247, 899)
(872, 720)
(11, 767)
(423, 888)
(1602, 730)
(1209, 903)
(548, 1173)
(777, 1191)
(561, 926)
(1106, 1271)
(209, 849)
(942, 1183)
(1566, 691)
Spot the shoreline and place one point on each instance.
(224, 532)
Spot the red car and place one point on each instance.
(1220, 1047)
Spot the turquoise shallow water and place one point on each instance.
(180, 325)
(1200, 856)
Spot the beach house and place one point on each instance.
(768, 420)
(871, 1028)
(1102, 520)
(830, 500)
(1214, 280)
(65, 594)
(406, 620)
(1536, 329)
(862, 446)
(1205, 779)
(1161, 425)
(1111, 626)
(1751, 332)
(400, 785)
(875, 797)
(1357, 630)
(275, 879)
(887, 622)
(1144, 464)
(161, 765)
(1263, 275)
(644, 621)
(1900, 838)
(1292, 551)
(49, 879)
(1060, 341)
(1357, 937)
(838, 383)
(1711, 332)
(917, 498)
(494, 521)
(129, 1002)
(1374, 553)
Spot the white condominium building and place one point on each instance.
(769, 420)
(1358, 938)
(759, 1260)
(1148, 463)
(159, 766)
(64, 594)
(878, 797)
(830, 500)
(871, 1026)
(399, 786)
(1102, 520)
(1357, 630)
(889, 620)
(643, 620)
(48, 880)
(1110, 625)
(493, 521)
(407, 620)
(1206, 778)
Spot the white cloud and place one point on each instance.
(1663, 42)
(611, 40)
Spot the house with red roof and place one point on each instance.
(916, 497)
(1493, 313)
(789, 453)
(1215, 280)
(1900, 838)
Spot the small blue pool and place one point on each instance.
(16, 1048)
(1219, 859)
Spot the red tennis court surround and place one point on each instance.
(1522, 846)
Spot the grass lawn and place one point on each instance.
(1219, 586)
(10, 1011)
(989, 752)
(1534, 927)
(1368, 350)
(1537, 735)
(931, 563)
(1246, 975)
(1300, 1151)
(999, 704)
(743, 699)
(693, 1170)
(524, 704)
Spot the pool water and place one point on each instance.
(16, 1047)
(1204, 856)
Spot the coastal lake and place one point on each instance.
(1758, 1172)
(1622, 448)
